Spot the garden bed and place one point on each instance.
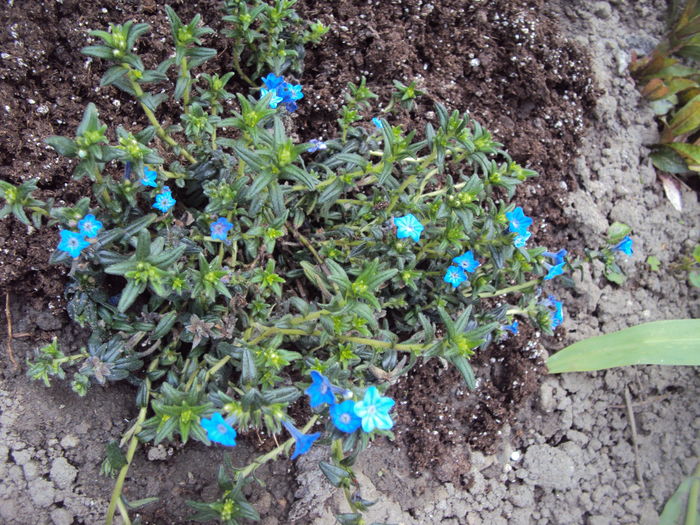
(550, 82)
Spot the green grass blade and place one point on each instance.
(674, 342)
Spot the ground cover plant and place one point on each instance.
(116, 170)
(268, 261)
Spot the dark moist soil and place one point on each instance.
(502, 61)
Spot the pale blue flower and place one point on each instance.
(374, 411)
(408, 226)
(455, 276)
(624, 246)
(218, 430)
(149, 177)
(164, 201)
(72, 243)
(344, 417)
(518, 222)
(220, 228)
(89, 226)
(377, 123)
(467, 262)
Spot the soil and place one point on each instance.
(496, 455)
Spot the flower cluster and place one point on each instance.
(282, 92)
(557, 266)
(371, 413)
(73, 243)
(464, 264)
(518, 223)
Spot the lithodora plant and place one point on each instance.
(226, 270)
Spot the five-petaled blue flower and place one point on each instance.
(521, 239)
(320, 391)
(89, 226)
(72, 243)
(518, 222)
(149, 177)
(220, 229)
(272, 81)
(554, 270)
(558, 257)
(624, 246)
(219, 431)
(164, 201)
(374, 410)
(316, 145)
(455, 276)
(274, 101)
(512, 328)
(283, 92)
(467, 262)
(377, 123)
(557, 312)
(344, 417)
(303, 442)
(408, 226)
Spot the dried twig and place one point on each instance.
(633, 427)
(647, 401)
(8, 315)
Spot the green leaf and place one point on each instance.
(674, 342)
(653, 263)
(112, 75)
(675, 507)
(686, 119)
(617, 231)
(694, 279)
(696, 253)
(114, 456)
(465, 369)
(335, 475)
(615, 277)
(139, 502)
(63, 145)
(666, 159)
(131, 291)
(249, 372)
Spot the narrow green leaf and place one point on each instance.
(335, 475)
(465, 369)
(675, 342)
(687, 119)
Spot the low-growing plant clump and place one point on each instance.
(228, 270)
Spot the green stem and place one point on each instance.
(117, 492)
(184, 72)
(509, 289)
(123, 512)
(154, 122)
(397, 194)
(237, 68)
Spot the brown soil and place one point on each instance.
(501, 60)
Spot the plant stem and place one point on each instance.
(237, 68)
(509, 289)
(117, 492)
(154, 122)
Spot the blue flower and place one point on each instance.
(344, 417)
(89, 226)
(320, 391)
(316, 145)
(455, 276)
(467, 262)
(303, 442)
(272, 81)
(408, 226)
(518, 222)
(149, 178)
(274, 101)
(624, 246)
(220, 229)
(558, 257)
(557, 312)
(164, 201)
(127, 170)
(291, 106)
(512, 328)
(377, 122)
(72, 243)
(555, 270)
(292, 92)
(374, 410)
(521, 239)
(219, 431)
